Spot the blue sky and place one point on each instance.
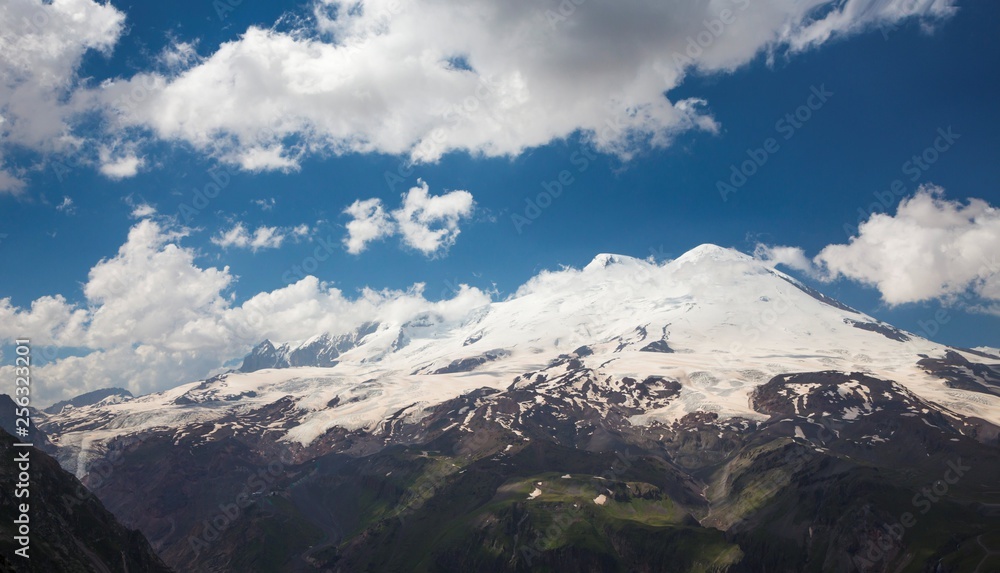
(892, 86)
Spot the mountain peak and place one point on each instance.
(605, 260)
(105, 395)
(708, 251)
(704, 252)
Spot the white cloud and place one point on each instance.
(273, 157)
(10, 183)
(145, 337)
(238, 236)
(369, 223)
(265, 204)
(119, 167)
(178, 55)
(234, 237)
(931, 248)
(415, 77)
(791, 257)
(66, 206)
(430, 223)
(50, 320)
(425, 222)
(131, 305)
(381, 75)
(859, 14)
(143, 211)
(41, 47)
(266, 238)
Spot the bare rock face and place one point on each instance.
(70, 530)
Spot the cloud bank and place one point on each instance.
(41, 47)
(419, 78)
(130, 331)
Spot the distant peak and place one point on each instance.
(605, 260)
(701, 253)
(266, 344)
(712, 252)
(93, 397)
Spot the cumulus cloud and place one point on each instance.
(369, 222)
(119, 167)
(238, 236)
(50, 320)
(931, 248)
(135, 333)
(420, 78)
(41, 47)
(130, 303)
(423, 77)
(425, 222)
(429, 223)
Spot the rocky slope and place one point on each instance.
(70, 530)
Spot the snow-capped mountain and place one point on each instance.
(739, 401)
(995, 352)
(320, 350)
(104, 395)
(715, 322)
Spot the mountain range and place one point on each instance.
(709, 413)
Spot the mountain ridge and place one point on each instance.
(734, 381)
(711, 310)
